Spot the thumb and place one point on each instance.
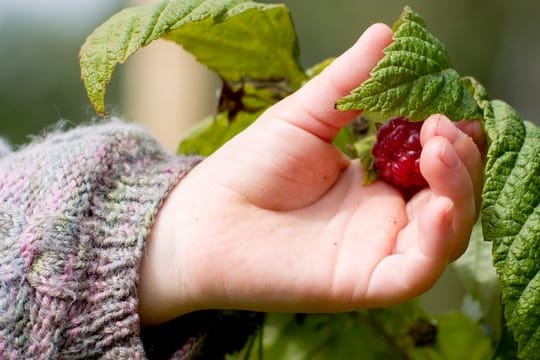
(312, 108)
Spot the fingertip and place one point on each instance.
(455, 143)
(354, 66)
(438, 125)
(378, 32)
(380, 29)
(445, 205)
(312, 107)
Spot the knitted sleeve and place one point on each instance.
(75, 208)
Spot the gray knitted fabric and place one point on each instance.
(75, 208)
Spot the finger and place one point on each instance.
(312, 108)
(475, 131)
(405, 275)
(448, 176)
(464, 144)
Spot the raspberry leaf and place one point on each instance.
(211, 133)
(511, 219)
(479, 94)
(209, 29)
(415, 78)
(240, 105)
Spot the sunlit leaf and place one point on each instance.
(238, 39)
(212, 133)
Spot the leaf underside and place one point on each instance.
(209, 29)
(415, 78)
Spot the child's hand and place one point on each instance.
(278, 219)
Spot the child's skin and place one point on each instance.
(278, 218)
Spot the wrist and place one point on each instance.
(163, 290)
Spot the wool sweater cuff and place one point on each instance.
(75, 209)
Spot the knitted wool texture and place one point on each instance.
(75, 208)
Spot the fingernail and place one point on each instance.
(446, 129)
(448, 156)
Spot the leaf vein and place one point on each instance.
(127, 43)
(410, 54)
(156, 17)
(408, 83)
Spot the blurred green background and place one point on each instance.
(494, 41)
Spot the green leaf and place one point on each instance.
(507, 346)
(461, 338)
(324, 337)
(399, 332)
(363, 150)
(236, 38)
(345, 140)
(479, 94)
(240, 105)
(415, 78)
(511, 220)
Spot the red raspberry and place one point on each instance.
(397, 155)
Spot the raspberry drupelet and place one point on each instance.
(397, 155)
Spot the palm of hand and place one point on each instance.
(278, 219)
(297, 231)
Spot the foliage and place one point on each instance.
(400, 332)
(511, 210)
(218, 32)
(415, 78)
(253, 47)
